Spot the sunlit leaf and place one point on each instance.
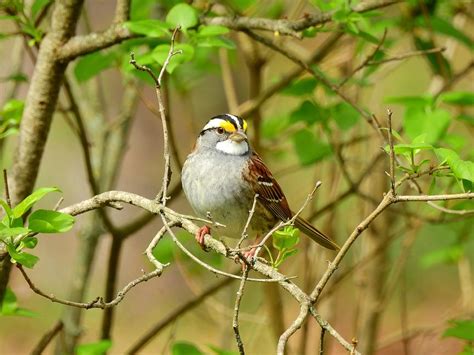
(46, 221)
(220, 42)
(308, 112)
(25, 259)
(182, 15)
(461, 98)
(10, 306)
(286, 238)
(25, 205)
(185, 348)
(92, 64)
(98, 348)
(461, 329)
(345, 115)
(433, 123)
(448, 255)
(150, 28)
(205, 31)
(6, 232)
(37, 6)
(300, 87)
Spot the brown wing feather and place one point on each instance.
(269, 192)
(272, 197)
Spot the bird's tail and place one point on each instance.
(311, 231)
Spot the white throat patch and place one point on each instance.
(233, 148)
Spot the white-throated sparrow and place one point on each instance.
(222, 175)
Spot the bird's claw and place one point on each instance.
(200, 236)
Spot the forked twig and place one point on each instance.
(163, 194)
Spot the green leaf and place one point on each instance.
(37, 6)
(182, 15)
(92, 64)
(219, 42)
(98, 348)
(408, 148)
(185, 348)
(163, 252)
(448, 255)
(25, 259)
(446, 28)
(461, 98)
(345, 115)
(149, 28)
(6, 208)
(7, 232)
(308, 148)
(29, 242)
(466, 118)
(286, 238)
(434, 123)
(46, 221)
(438, 63)
(25, 205)
(307, 112)
(205, 31)
(455, 141)
(462, 169)
(285, 255)
(160, 53)
(272, 126)
(461, 329)
(18, 77)
(410, 100)
(10, 306)
(12, 110)
(300, 87)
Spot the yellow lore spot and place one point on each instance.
(229, 127)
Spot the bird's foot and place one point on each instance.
(248, 258)
(200, 236)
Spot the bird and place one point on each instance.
(223, 175)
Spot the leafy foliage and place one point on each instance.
(17, 236)
(98, 348)
(285, 241)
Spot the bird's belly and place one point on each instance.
(223, 196)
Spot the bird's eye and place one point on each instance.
(220, 130)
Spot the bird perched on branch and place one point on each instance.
(223, 174)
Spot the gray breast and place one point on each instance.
(212, 182)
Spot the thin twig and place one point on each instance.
(47, 337)
(392, 152)
(163, 194)
(321, 341)
(249, 219)
(143, 68)
(235, 318)
(406, 55)
(449, 210)
(7, 191)
(366, 60)
(98, 302)
(154, 242)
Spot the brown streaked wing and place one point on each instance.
(269, 192)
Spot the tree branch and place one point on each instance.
(287, 27)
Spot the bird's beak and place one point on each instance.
(238, 136)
